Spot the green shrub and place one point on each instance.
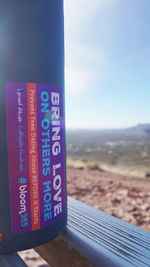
(93, 166)
(147, 175)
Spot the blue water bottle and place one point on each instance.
(32, 128)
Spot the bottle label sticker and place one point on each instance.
(35, 126)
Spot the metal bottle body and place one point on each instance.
(31, 51)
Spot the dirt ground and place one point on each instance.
(127, 198)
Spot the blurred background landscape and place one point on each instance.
(110, 170)
(124, 151)
(107, 53)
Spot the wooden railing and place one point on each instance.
(93, 238)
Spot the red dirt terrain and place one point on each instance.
(127, 198)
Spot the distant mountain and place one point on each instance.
(125, 149)
(141, 128)
(138, 134)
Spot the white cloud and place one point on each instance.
(85, 67)
(78, 81)
(80, 12)
(86, 62)
(81, 54)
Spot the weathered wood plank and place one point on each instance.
(58, 253)
(95, 237)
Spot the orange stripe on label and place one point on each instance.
(33, 155)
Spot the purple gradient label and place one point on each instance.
(35, 127)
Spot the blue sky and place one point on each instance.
(107, 70)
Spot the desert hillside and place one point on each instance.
(127, 198)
